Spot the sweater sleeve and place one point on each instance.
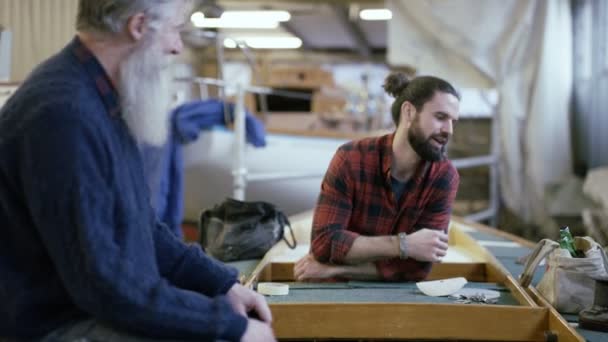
(188, 267)
(107, 261)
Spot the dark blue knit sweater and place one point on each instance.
(78, 238)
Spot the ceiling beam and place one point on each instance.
(289, 27)
(352, 29)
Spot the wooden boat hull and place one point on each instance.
(342, 311)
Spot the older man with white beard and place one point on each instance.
(144, 87)
(82, 256)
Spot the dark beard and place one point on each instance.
(424, 147)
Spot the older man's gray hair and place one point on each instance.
(111, 16)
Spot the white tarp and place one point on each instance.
(521, 48)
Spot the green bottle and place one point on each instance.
(566, 241)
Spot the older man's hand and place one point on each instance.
(244, 300)
(258, 332)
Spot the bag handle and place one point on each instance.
(594, 244)
(542, 249)
(284, 221)
(604, 258)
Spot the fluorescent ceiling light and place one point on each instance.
(257, 15)
(242, 19)
(265, 42)
(222, 23)
(274, 42)
(230, 43)
(198, 19)
(376, 14)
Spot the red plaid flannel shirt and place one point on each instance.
(357, 199)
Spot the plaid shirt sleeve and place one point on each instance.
(330, 240)
(436, 215)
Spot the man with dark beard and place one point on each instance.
(81, 255)
(385, 202)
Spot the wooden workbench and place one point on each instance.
(356, 310)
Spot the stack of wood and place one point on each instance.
(293, 114)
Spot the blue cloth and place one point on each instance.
(165, 165)
(79, 237)
(190, 118)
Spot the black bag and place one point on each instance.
(236, 230)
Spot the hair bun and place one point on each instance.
(395, 83)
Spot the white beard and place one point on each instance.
(145, 94)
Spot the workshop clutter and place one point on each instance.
(239, 230)
(568, 282)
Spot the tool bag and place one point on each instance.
(238, 230)
(568, 283)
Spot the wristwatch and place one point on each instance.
(403, 246)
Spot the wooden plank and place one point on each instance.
(464, 241)
(283, 271)
(494, 274)
(557, 324)
(518, 292)
(409, 321)
(487, 229)
(266, 273)
(471, 271)
(262, 270)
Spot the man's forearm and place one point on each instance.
(371, 248)
(367, 271)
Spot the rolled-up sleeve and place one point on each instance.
(331, 241)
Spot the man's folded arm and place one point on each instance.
(331, 241)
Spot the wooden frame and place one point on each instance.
(406, 321)
(487, 229)
(409, 321)
(531, 319)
